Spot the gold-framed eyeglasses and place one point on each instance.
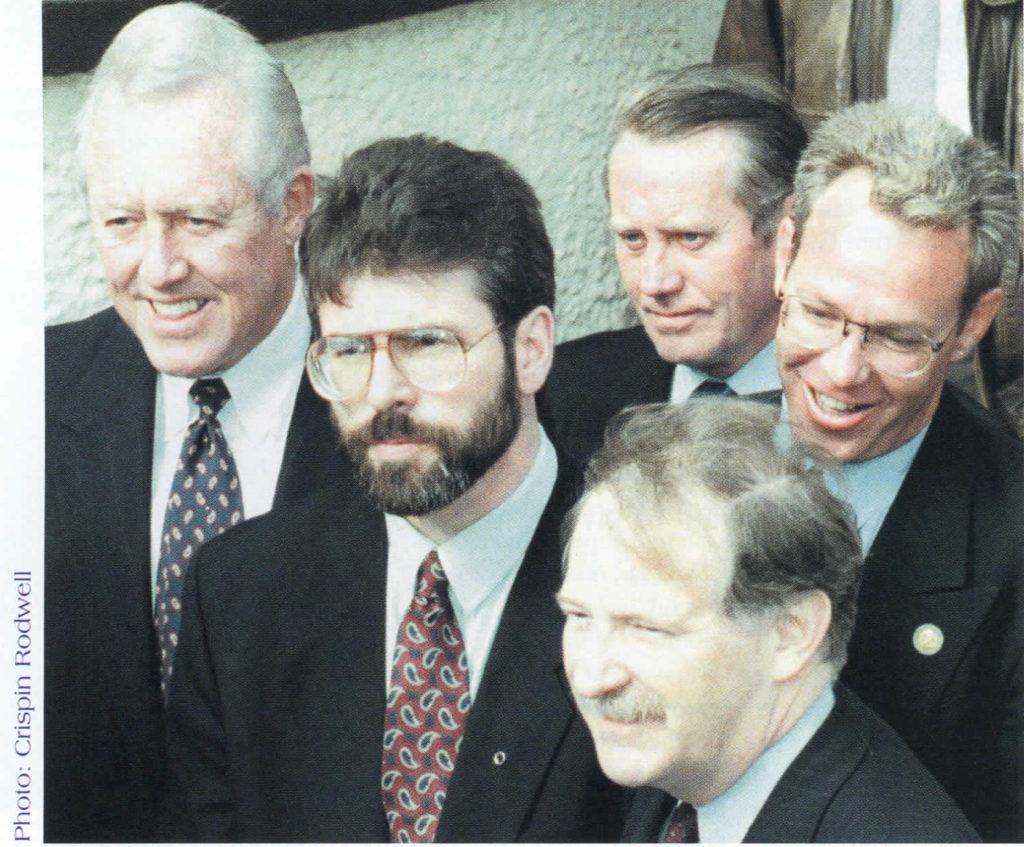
(895, 350)
(431, 358)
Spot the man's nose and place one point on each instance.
(388, 386)
(161, 263)
(846, 362)
(594, 666)
(659, 272)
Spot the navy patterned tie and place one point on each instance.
(682, 825)
(428, 703)
(206, 499)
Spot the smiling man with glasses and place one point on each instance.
(389, 669)
(888, 271)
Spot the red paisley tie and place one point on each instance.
(427, 706)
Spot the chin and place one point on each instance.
(629, 768)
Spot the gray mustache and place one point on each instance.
(628, 704)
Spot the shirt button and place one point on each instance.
(928, 639)
(499, 758)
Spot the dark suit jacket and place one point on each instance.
(855, 781)
(104, 728)
(594, 377)
(598, 375)
(949, 553)
(277, 706)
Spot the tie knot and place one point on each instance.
(432, 581)
(209, 395)
(713, 388)
(682, 825)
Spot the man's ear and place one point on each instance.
(783, 251)
(535, 349)
(799, 630)
(978, 322)
(298, 203)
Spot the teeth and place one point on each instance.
(831, 404)
(178, 308)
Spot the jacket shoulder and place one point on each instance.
(889, 795)
(70, 348)
(610, 344)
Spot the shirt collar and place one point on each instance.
(868, 487)
(728, 817)
(759, 374)
(474, 562)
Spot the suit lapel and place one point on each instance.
(654, 377)
(935, 494)
(311, 453)
(340, 729)
(794, 810)
(108, 427)
(647, 814)
(523, 706)
(918, 572)
(106, 430)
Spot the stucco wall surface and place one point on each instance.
(535, 81)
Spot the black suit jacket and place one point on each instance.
(104, 752)
(949, 553)
(855, 782)
(598, 375)
(277, 706)
(594, 377)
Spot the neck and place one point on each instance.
(492, 489)
(786, 706)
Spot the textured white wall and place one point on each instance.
(532, 80)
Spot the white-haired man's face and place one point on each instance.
(195, 265)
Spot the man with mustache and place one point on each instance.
(889, 271)
(366, 671)
(197, 176)
(710, 592)
(699, 174)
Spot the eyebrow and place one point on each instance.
(882, 325)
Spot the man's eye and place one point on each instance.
(200, 223)
(118, 222)
(693, 240)
(427, 337)
(817, 314)
(648, 629)
(340, 348)
(902, 343)
(422, 341)
(634, 241)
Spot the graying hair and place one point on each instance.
(174, 48)
(788, 534)
(741, 99)
(925, 172)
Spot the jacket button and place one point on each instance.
(499, 758)
(928, 639)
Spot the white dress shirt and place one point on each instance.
(727, 818)
(255, 420)
(759, 374)
(481, 563)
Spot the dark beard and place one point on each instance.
(400, 488)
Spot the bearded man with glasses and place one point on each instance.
(888, 271)
(389, 669)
